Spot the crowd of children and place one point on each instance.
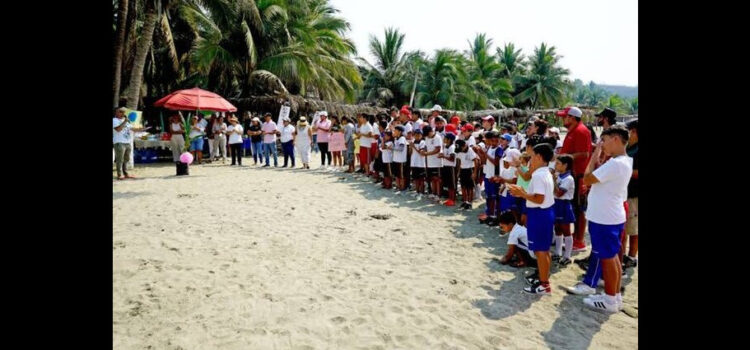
(539, 190)
(530, 187)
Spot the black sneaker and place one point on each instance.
(492, 221)
(583, 263)
(538, 289)
(556, 258)
(534, 277)
(564, 262)
(627, 262)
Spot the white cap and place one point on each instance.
(512, 155)
(575, 112)
(437, 108)
(323, 113)
(554, 129)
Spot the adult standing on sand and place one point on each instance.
(269, 140)
(235, 139)
(322, 128)
(177, 129)
(219, 130)
(303, 142)
(121, 140)
(256, 140)
(577, 143)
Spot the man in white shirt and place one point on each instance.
(606, 217)
(121, 138)
(540, 216)
(288, 132)
(364, 134)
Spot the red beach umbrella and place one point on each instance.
(195, 99)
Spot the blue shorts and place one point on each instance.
(521, 204)
(540, 226)
(605, 239)
(564, 211)
(196, 144)
(491, 189)
(508, 203)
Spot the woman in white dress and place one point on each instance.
(304, 141)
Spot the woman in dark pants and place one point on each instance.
(235, 140)
(323, 128)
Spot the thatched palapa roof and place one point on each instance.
(301, 106)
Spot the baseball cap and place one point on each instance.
(455, 119)
(417, 131)
(554, 129)
(437, 108)
(450, 128)
(512, 155)
(608, 113)
(323, 114)
(400, 128)
(450, 136)
(507, 137)
(488, 118)
(570, 111)
(467, 127)
(405, 110)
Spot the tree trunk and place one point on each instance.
(139, 63)
(122, 15)
(129, 46)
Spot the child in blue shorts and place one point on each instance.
(606, 216)
(564, 190)
(540, 213)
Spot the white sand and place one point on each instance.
(251, 258)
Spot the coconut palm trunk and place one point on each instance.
(122, 15)
(147, 37)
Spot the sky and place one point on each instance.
(598, 39)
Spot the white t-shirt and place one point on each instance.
(467, 158)
(175, 126)
(447, 151)
(220, 127)
(195, 133)
(400, 156)
(387, 153)
(519, 237)
(287, 133)
(418, 124)
(471, 141)
(568, 184)
(417, 160)
(607, 196)
(122, 136)
(432, 144)
(542, 183)
(235, 138)
(408, 128)
(365, 141)
(513, 143)
(375, 131)
(489, 168)
(508, 174)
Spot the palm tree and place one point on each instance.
(633, 106)
(154, 9)
(512, 60)
(122, 16)
(383, 80)
(485, 76)
(545, 84)
(445, 82)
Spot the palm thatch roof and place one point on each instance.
(301, 106)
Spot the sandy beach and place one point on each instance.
(272, 258)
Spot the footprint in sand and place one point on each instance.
(338, 320)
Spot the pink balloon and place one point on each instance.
(186, 158)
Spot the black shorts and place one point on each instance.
(387, 169)
(465, 178)
(580, 200)
(397, 170)
(379, 163)
(433, 172)
(417, 173)
(449, 177)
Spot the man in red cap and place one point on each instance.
(488, 123)
(577, 143)
(456, 120)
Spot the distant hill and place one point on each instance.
(622, 90)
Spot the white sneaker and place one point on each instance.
(600, 284)
(603, 305)
(580, 289)
(599, 297)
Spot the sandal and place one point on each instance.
(517, 263)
